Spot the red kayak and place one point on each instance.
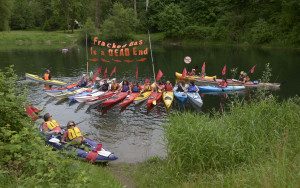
(63, 88)
(102, 97)
(155, 96)
(129, 99)
(118, 97)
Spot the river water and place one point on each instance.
(136, 133)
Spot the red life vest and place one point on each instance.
(169, 87)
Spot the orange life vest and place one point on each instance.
(46, 76)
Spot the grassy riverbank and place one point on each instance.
(252, 145)
(37, 37)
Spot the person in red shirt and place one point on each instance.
(73, 134)
(193, 72)
(224, 83)
(50, 126)
(168, 86)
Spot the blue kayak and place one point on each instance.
(195, 99)
(181, 97)
(220, 89)
(103, 156)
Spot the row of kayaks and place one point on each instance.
(212, 80)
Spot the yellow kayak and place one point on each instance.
(40, 79)
(193, 78)
(67, 94)
(142, 97)
(168, 97)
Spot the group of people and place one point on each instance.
(73, 134)
(191, 87)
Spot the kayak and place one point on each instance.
(142, 97)
(62, 89)
(70, 93)
(180, 96)
(233, 82)
(90, 96)
(220, 89)
(193, 78)
(59, 92)
(101, 98)
(168, 97)
(195, 99)
(40, 79)
(116, 98)
(55, 141)
(129, 98)
(85, 93)
(154, 96)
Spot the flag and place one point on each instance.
(252, 70)
(159, 75)
(136, 72)
(105, 72)
(183, 73)
(98, 72)
(224, 70)
(113, 71)
(203, 67)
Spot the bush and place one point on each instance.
(261, 32)
(197, 32)
(171, 21)
(24, 158)
(120, 24)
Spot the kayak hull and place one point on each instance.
(101, 98)
(70, 93)
(219, 89)
(89, 96)
(168, 99)
(81, 154)
(192, 78)
(142, 97)
(154, 96)
(41, 80)
(128, 99)
(116, 98)
(195, 99)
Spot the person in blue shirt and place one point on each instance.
(192, 87)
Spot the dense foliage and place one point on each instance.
(25, 161)
(256, 22)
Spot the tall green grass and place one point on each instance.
(255, 144)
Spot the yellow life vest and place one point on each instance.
(147, 88)
(52, 124)
(114, 86)
(74, 133)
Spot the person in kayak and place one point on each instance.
(47, 75)
(244, 77)
(96, 85)
(136, 88)
(84, 81)
(192, 73)
(192, 88)
(114, 86)
(50, 126)
(147, 87)
(73, 134)
(160, 85)
(224, 83)
(125, 86)
(105, 86)
(168, 86)
(180, 87)
(202, 74)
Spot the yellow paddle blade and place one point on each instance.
(154, 102)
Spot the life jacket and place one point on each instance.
(114, 87)
(223, 84)
(125, 88)
(74, 133)
(168, 87)
(46, 76)
(96, 85)
(83, 83)
(191, 74)
(147, 88)
(192, 89)
(180, 89)
(135, 89)
(52, 124)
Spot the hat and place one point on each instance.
(48, 70)
(193, 70)
(242, 72)
(97, 79)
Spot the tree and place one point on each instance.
(120, 23)
(5, 12)
(22, 17)
(171, 21)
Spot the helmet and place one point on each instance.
(97, 79)
(48, 71)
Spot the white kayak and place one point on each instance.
(89, 96)
(195, 99)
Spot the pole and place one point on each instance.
(151, 55)
(87, 55)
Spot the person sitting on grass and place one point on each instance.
(73, 134)
(50, 126)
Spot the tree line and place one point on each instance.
(254, 21)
